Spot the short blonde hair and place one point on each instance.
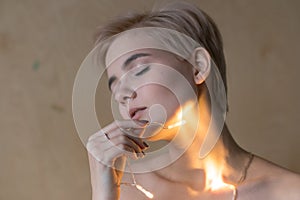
(182, 17)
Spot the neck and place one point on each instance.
(226, 160)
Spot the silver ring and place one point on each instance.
(106, 136)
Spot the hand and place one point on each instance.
(107, 151)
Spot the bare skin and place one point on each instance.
(186, 177)
(264, 180)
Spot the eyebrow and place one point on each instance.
(134, 57)
(125, 64)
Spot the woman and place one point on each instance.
(175, 55)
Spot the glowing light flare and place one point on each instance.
(179, 123)
(214, 179)
(187, 118)
(186, 111)
(143, 190)
(190, 112)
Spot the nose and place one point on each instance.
(124, 93)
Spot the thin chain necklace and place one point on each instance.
(150, 195)
(134, 182)
(243, 177)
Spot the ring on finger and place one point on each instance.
(106, 135)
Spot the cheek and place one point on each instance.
(159, 95)
(124, 111)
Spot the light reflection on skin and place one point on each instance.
(214, 180)
(221, 168)
(122, 85)
(125, 81)
(144, 96)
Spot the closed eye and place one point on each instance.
(143, 71)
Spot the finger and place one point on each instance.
(109, 156)
(101, 137)
(115, 138)
(143, 145)
(96, 146)
(121, 144)
(98, 134)
(127, 141)
(130, 135)
(125, 124)
(133, 134)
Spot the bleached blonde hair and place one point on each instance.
(180, 16)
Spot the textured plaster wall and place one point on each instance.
(42, 44)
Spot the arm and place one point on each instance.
(105, 180)
(107, 158)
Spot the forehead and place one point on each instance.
(129, 42)
(148, 38)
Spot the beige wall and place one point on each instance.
(42, 44)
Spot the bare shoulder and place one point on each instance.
(286, 185)
(275, 182)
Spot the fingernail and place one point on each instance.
(141, 155)
(145, 144)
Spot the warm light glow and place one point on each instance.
(214, 179)
(179, 123)
(213, 167)
(147, 193)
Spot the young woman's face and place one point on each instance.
(151, 85)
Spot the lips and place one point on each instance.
(135, 112)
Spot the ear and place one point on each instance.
(202, 65)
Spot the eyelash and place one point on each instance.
(141, 72)
(147, 68)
